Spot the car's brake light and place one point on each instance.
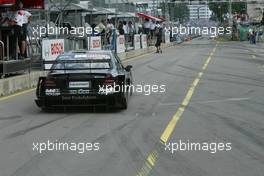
(50, 82)
(109, 80)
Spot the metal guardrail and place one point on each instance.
(13, 66)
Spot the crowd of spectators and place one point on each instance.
(242, 21)
(109, 28)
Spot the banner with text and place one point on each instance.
(51, 49)
(95, 43)
(144, 41)
(137, 42)
(120, 44)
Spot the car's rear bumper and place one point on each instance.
(81, 101)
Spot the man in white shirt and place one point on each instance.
(102, 27)
(146, 26)
(152, 28)
(125, 27)
(20, 19)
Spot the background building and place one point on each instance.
(199, 11)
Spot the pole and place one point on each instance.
(153, 8)
(167, 10)
(230, 12)
(198, 12)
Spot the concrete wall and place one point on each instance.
(21, 82)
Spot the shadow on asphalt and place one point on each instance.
(74, 110)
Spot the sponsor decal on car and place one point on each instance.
(79, 84)
(79, 92)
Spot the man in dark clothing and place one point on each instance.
(158, 33)
(120, 28)
(262, 20)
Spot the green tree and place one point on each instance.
(176, 11)
(219, 9)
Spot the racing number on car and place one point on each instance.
(56, 48)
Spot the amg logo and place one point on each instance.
(52, 92)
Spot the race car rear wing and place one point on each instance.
(61, 65)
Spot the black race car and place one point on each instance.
(85, 78)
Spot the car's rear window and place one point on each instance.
(82, 62)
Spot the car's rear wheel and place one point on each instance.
(124, 101)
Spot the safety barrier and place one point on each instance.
(11, 66)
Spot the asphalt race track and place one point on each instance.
(214, 94)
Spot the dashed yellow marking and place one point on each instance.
(153, 156)
(172, 124)
(149, 164)
(137, 57)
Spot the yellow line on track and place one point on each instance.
(172, 124)
(164, 138)
(137, 57)
(17, 94)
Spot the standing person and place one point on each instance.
(131, 28)
(158, 33)
(120, 28)
(152, 29)
(254, 37)
(131, 31)
(146, 27)
(140, 29)
(102, 31)
(125, 27)
(262, 21)
(136, 26)
(102, 27)
(251, 34)
(109, 28)
(20, 20)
